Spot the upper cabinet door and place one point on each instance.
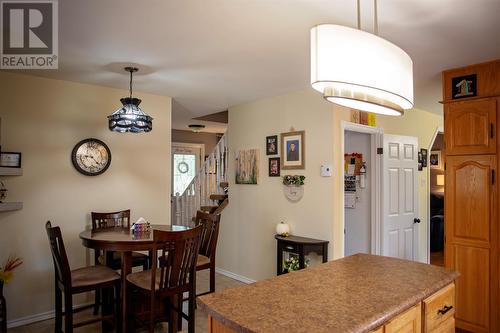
(470, 127)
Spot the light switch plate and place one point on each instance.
(326, 171)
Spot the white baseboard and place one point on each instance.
(35, 318)
(232, 275)
(50, 314)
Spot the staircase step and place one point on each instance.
(209, 209)
(221, 206)
(224, 184)
(218, 197)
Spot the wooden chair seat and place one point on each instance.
(201, 261)
(93, 276)
(142, 279)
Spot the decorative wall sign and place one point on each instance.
(272, 145)
(293, 193)
(274, 167)
(10, 160)
(293, 150)
(247, 166)
(464, 86)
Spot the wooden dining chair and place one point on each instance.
(210, 233)
(70, 282)
(113, 260)
(173, 273)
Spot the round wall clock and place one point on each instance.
(91, 157)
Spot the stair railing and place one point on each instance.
(207, 182)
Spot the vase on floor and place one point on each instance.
(3, 311)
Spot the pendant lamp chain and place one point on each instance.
(131, 84)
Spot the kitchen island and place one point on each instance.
(359, 293)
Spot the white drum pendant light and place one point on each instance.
(360, 70)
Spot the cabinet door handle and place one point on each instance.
(445, 309)
(492, 130)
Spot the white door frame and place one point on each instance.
(201, 146)
(376, 135)
(439, 130)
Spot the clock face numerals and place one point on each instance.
(91, 157)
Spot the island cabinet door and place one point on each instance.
(470, 127)
(409, 321)
(471, 239)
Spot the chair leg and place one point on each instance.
(97, 301)
(68, 312)
(58, 323)
(191, 311)
(179, 306)
(152, 314)
(117, 308)
(169, 315)
(212, 278)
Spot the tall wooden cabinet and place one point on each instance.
(471, 187)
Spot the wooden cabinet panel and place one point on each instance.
(215, 326)
(470, 127)
(379, 330)
(407, 322)
(473, 289)
(439, 308)
(471, 239)
(446, 327)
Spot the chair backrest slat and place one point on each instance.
(177, 260)
(119, 219)
(210, 233)
(61, 264)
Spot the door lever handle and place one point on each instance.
(416, 220)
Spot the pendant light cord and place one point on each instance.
(359, 14)
(131, 84)
(375, 16)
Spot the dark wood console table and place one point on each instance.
(299, 246)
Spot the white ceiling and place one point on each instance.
(209, 55)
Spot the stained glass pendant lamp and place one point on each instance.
(360, 70)
(130, 117)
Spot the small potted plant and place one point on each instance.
(6, 274)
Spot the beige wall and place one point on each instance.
(44, 119)
(247, 246)
(210, 140)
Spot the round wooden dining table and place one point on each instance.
(124, 241)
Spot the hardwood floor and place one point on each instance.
(437, 258)
(221, 282)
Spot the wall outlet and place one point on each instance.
(326, 171)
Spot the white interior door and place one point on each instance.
(400, 197)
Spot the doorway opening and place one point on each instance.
(436, 199)
(361, 214)
(186, 162)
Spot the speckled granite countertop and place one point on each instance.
(354, 294)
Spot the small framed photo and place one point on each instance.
(293, 150)
(423, 153)
(435, 160)
(272, 145)
(464, 86)
(274, 167)
(10, 160)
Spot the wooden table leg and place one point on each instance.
(126, 269)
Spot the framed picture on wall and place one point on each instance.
(435, 159)
(272, 145)
(274, 167)
(423, 153)
(293, 150)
